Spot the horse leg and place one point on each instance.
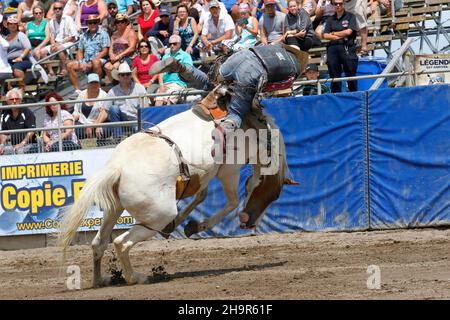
(199, 198)
(123, 245)
(229, 178)
(100, 243)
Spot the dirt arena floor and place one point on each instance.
(414, 264)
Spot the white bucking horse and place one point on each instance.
(142, 175)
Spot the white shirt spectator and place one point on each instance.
(66, 28)
(225, 23)
(205, 14)
(96, 108)
(5, 68)
(128, 107)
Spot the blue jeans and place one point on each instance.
(245, 69)
(116, 115)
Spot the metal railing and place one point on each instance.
(142, 98)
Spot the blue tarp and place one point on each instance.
(364, 160)
(409, 143)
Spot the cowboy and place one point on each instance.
(246, 68)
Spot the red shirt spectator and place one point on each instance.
(143, 63)
(146, 20)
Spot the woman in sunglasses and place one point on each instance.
(36, 29)
(142, 64)
(123, 45)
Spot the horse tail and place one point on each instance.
(101, 189)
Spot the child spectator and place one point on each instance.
(246, 28)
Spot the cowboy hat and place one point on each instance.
(302, 56)
(156, 2)
(92, 17)
(123, 68)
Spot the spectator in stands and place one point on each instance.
(142, 65)
(92, 51)
(172, 82)
(298, 27)
(5, 67)
(122, 110)
(280, 5)
(193, 8)
(60, 32)
(89, 8)
(70, 9)
(3, 26)
(123, 45)
(36, 28)
(205, 12)
(88, 112)
(51, 138)
(271, 24)
(25, 13)
(341, 50)
(108, 23)
(18, 50)
(324, 10)
(187, 29)
(309, 6)
(246, 28)
(312, 73)
(359, 9)
(125, 6)
(146, 19)
(234, 12)
(13, 119)
(218, 29)
(163, 28)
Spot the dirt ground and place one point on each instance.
(414, 264)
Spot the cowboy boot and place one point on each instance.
(171, 65)
(219, 135)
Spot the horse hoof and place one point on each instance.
(103, 282)
(191, 228)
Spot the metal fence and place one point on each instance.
(114, 132)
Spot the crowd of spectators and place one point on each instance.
(97, 38)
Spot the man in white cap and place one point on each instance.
(123, 109)
(172, 81)
(217, 28)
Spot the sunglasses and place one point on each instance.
(14, 99)
(57, 8)
(143, 46)
(92, 22)
(38, 13)
(121, 21)
(112, 7)
(124, 74)
(173, 44)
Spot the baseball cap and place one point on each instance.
(311, 67)
(164, 11)
(112, 2)
(269, 2)
(214, 4)
(93, 77)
